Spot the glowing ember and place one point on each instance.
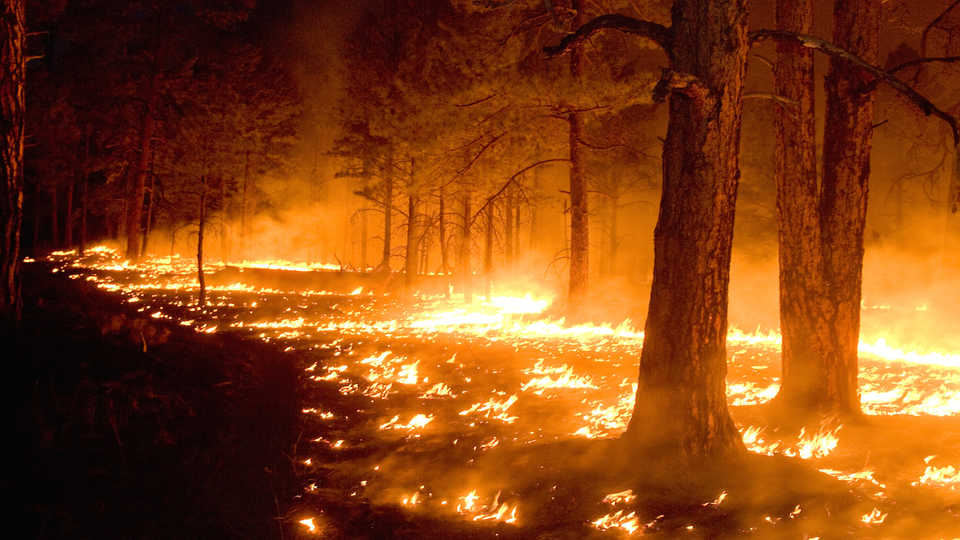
(495, 511)
(417, 422)
(310, 525)
(948, 476)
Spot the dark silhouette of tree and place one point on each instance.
(12, 73)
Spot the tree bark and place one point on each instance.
(843, 203)
(12, 37)
(135, 203)
(614, 235)
(579, 219)
(681, 407)
(243, 207)
(800, 253)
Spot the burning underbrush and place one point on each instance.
(432, 416)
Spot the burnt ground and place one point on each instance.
(132, 428)
(141, 428)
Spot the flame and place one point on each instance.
(620, 497)
(310, 524)
(875, 517)
(948, 476)
(628, 523)
(495, 511)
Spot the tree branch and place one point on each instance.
(826, 47)
(660, 35)
(918, 61)
(764, 95)
(933, 24)
(509, 181)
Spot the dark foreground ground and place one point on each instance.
(129, 428)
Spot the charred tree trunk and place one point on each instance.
(243, 206)
(802, 293)
(384, 265)
(508, 228)
(410, 257)
(224, 223)
(488, 252)
(201, 224)
(363, 239)
(843, 202)
(534, 224)
(463, 261)
(148, 223)
(681, 406)
(579, 224)
(138, 189)
(85, 155)
(12, 37)
(68, 217)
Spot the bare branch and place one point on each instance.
(659, 34)
(477, 102)
(675, 81)
(918, 61)
(509, 181)
(765, 95)
(826, 47)
(933, 24)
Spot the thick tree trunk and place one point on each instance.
(681, 406)
(243, 207)
(534, 223)
(12, 36)
(83, 213)
(363, 239)
(201, 225)
(224, 223)
(843, 202)
(802, 290)
(410, 257)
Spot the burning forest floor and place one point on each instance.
(432, 417)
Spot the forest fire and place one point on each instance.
(483, 268)
(477, 380)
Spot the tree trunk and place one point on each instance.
(201, 224)
(387, 222)
(224, 223)
(148, 224)
(12, 37)
(488, 252)
(463, 261)
(68, 217)
(802, 300)
(843, 202)
(243, 207)
(410, 257)
(135, 205)
(579, 224)
(508, 229)
(681, 406)
(363, 239)
(533, 203)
